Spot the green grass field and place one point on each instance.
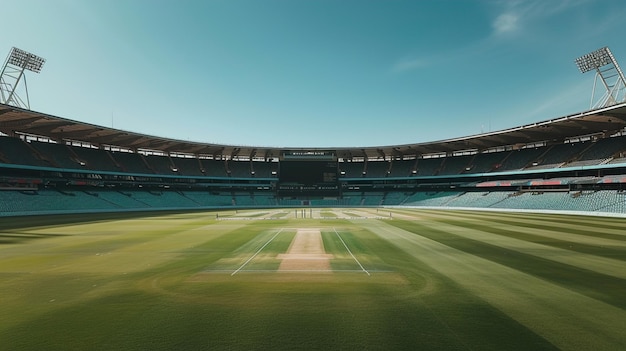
(412, 279)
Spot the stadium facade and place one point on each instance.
(50, 164)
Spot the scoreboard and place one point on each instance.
(308, 173)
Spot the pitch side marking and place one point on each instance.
(256, 253)
(350, 252)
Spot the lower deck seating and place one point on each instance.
(48, 201)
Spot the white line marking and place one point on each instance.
(256, 253)
(350, 252)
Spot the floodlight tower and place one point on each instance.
(608, 72)
(13, 71)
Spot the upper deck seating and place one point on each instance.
(377, 169)
(95, 159)
(240, 169)
(429, 166)
(600, 151)
(352, 169)
(402, 168)
(487, 162)
(132, 162)
(519, 159)
(187, 166)
(558, 154)
(214, 168)
(456, 164)
(59, 155)
(265, 169)
(16, 151)
(161, 164)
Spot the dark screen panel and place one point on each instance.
(308, 172)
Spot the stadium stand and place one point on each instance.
(132, 162)
(430, 198)
(377, 169)
(570, 173)
(214, 168)
(58, 155)
(393, 198)
(47, 201)
(54, 201)
(402, 168)
(18, 152)
(456, 164)
(372, 199)
(95, 159)
(239, 169)
(429, 166)
(245, 200)
(600, 151)
(206, 199)
(487, 162)
(265, 169)
(264, 200)
(161, 164)
(188, 166)
(352, 169)
(559, 154)
(122, 200)
(519, 159)
(477, 199)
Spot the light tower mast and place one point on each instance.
(12, 74)
(608, 73)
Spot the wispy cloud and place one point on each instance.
(509, 18)
(405, 65)
(506, 23)
(514, 16)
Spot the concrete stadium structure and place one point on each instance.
(50, 164)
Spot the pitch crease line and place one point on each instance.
(350, 252)
(256, 253)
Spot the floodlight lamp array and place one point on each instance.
(594, 60)
(26, 60)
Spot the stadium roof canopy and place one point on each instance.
(606, 121)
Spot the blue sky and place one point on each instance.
(300, 73)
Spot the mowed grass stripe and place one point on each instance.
(452, 315)
(593, 226)
(166, 246)
(566, 318)
(558, 239)
(180, 303)
(279, 316)
(502, 238)
(92, 252)
(62, 279)
(611, 224)
(607, 221)
(599, 286)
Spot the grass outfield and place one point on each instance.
(413, 279)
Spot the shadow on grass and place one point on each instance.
(18, 238)
(60, 219)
